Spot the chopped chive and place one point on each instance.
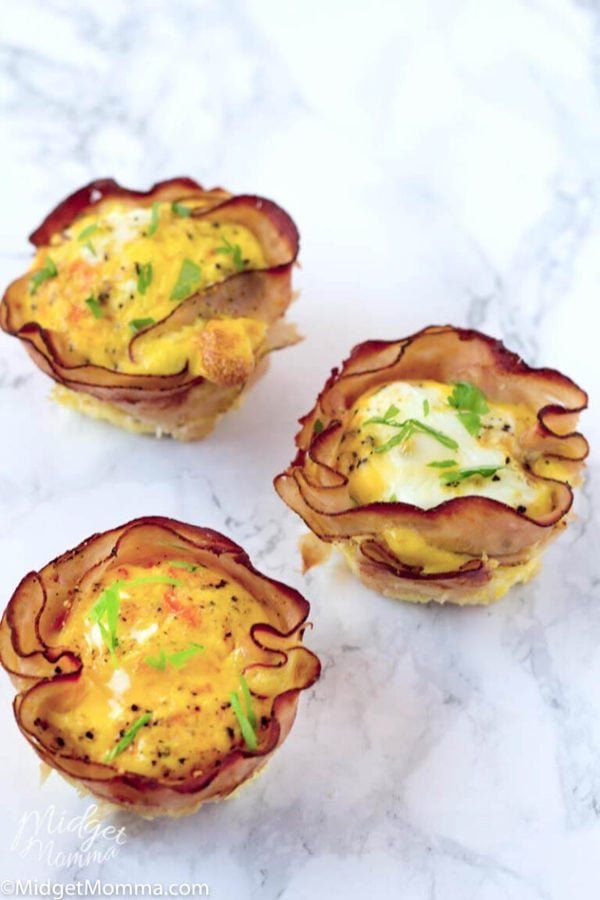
(248, 701)
(408, 428)
(105, 614)
(181, 564)
(180, 657)
(95, 307)
(49, 270)
(144, 277)
(181, 210)
(158, 662)
(426, 407)
(454, 477)
(393, 499)
(89, 246)
(153, 219)
(87, 232)
(140, 324)
(187, 281)
(128, 737)
(246, 728)
(318, 427)
(442, 464)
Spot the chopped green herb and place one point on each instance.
(426, 407)
(180, 210)
(248, 701)
(246, 728)
(95, 307)
(140, 324)
(188, 280)
(105, 614)
(128, 737)
(470, 403)
(153, 220)
(177, 659)
(158, 662)
(442, 464)
(452, 477)
(49, 270)
(144, 277)
(181, 564)
(408, 428)
(180, 657)
(233, 250)
(89, 246)
(318, 427)
(385, 418)
(87, 232)
(393, 499)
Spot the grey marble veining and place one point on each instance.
(442, 160)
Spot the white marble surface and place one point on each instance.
(442, 160)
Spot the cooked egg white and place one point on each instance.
(410, 472)
(121, 266)
(405, 472)
(191, 722)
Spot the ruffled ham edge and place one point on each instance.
(41, 668)
(476, 526)
(166, 401)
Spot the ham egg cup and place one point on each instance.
(440, 464)
(153, 310)
(156, 667)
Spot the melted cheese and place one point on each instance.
(191, 720)
(104, 255)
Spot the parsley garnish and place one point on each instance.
(128, 737)
(180, 210)
(153, 220)
(144, 277)
(453, 477)
(233, 250)
(95, 307)
(471, 405)
(318, 427)
(187, 281)
(49, 270)
(85, 234)
(139, 324)
(246, 720)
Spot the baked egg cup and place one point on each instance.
(440, 465)
(156, 668)
(154, 309)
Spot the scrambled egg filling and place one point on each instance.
(120, 269)
(163, 649)
(425, 442)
